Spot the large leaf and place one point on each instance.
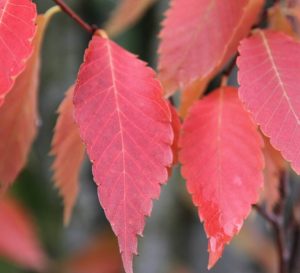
(126, 14)
(19, 114)
(269, 68)
(17, 28)
(69, 153)
(126, 126)
(195, 41)
(18, 240)
(222, 162)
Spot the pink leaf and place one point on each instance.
(269, 68)
(126, 126)
(18, 240)
(198, 38)
(222, 162)
(17, 28)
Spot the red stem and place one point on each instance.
(65, 8)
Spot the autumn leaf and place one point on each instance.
(278, 21)
(222, 162)
(194, 46)
(100, 255)
(176, 125)
(18, 240)
(271, 94)
(126, 14)
(19, 115)
(126, 126)
(69, 154)
(17, 29)
(191, 94)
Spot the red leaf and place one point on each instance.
(126, 14)
(126, 126)
(19, 115)
(69, 153)
(17, 28)
(194, 46)
(222, 162)
(271, 94)
(18, 241)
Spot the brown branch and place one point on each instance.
(71, 13)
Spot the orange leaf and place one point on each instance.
(69, 153)
(101, 255)
(194, 46)
(176, 125)
(191, 94)
(126, 14)
(18, 240)
(19, 114)
(222, 162)
(278, 21)
(274, 169)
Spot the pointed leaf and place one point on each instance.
(222, 162)
(271, 94)
(68, 150)
(126, 126)
(18, 240)
(19, 115)
(126, 14)
(194, 46)
(17, 28)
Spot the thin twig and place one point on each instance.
(65, 8)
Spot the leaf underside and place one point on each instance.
(269, 66)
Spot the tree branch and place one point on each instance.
(66, 9)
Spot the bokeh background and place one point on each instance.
(174, 240)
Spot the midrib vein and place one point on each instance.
(271, 58)
(113, 78)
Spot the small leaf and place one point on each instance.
(176, 125)
(194, 46)
(271, 94)
(126, 14)
(18, 240)
(101, 255)
(17, 29)
(278, 21)
(191, 94)
(126, 126)
(222, 162)
(69, 154)
(19, 115)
